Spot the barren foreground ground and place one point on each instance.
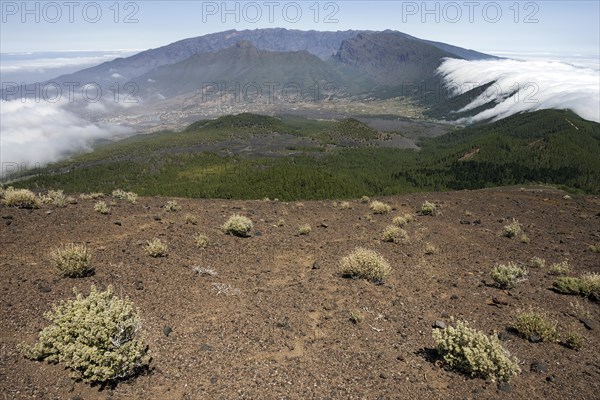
(274, 322)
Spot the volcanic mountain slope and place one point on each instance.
(253, 70)
(274, 319)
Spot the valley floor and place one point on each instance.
(274, 322)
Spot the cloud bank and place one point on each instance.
(34, 134)
(521, 86)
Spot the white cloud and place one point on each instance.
(35, 134)
(520, 86)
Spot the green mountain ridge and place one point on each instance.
(250, 157)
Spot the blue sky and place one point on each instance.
(558, 27)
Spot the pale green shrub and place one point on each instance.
(131, 197)
(191, 219)
(536, 322)
(101, 207)
(366, 264)
(344, 205)
(428, 208)
(55, 197)
(379, 207)
(561, 268)
(20, 198)
(304, 229)
(72, 260)
(402, 220)
(91, 196)
(537, 262)
(172, 206)
(98, 337)
(394, 234)
(238, 225)
(574, 341)
(201, 240)
(156, 248)
(365, 199)
(507, 276)
(513, 229)
(474, 353)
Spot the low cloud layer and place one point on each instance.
(37, 133)
(521, 86)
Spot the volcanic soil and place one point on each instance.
(274, 320)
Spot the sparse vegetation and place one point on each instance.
(191, 219)
(344, 205)
(428, 208)
(91, 196)
(524, 238)
(304, 229)
(430, 249)
(574, 341)
(393, 233)
(474, 353)
(561, 268)
(366, 264)
(507, 276)
(72, 260)
(101, 207)
(537, 262)
(588, 285)
(365, 199)
(567, 285)
(156, 248)
(20, 198)
(172, 206)
(131, 197)
(281, 222)
(98, 337)
(379, 207)
(594, 248)
(512, 230)
(238, 225)
(356, 316)
(201, 240)
(55, 197)
(534, 322)
(402, 220)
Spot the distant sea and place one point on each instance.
(42, 66)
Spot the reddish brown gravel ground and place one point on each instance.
(274, 323)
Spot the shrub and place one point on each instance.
(156, 248)
(379, 207)
(428, 208)
(366, 264)
(201, 240)
(344, 205)
(595, 248)
(97, 336)
(567, 285)
(561, 268)
(281, 222)
(537, 262)
(511, 230)
(507, 276)
(123, 195)
(532, 322)
(590, 284)
(394, 234)
(402, 220)
(365, 199)
(525, 239)
(430, 249)
(238, 225)
(587, 285)
(55, 197)
(72, 260)
(20, 198)
(474, 353)
(101, 207)
(190, 219)
(574, 341)
(304, 229)
(356, 317)
(172, 206)
(91, 196)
